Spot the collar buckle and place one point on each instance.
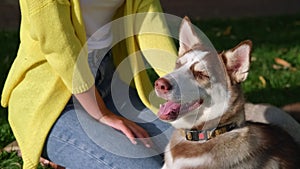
(196, 135)
(204, 135)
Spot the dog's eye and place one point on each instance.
(178, 65)
(199, 74)
(180, 62)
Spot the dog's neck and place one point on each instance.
(204, 135)
(234, 115)
(213, 128)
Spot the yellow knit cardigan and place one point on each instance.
(45, 72)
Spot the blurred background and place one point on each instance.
(198, 9)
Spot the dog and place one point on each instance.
(205, 104)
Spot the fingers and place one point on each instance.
(129, 128)
(120, 124)
(133, 131)
(142, 135)
(126, 130)
(45, 162)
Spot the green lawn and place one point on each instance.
(9, 42)
(268, 82)
(272, 37)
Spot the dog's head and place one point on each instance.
(204, 85)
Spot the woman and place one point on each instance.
(52, 65)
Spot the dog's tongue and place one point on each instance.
(169, 111)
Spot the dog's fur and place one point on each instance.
(204, 92)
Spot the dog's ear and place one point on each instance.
(237, 61)
(187, 37)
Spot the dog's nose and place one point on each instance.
(162, 85)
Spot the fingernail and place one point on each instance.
(134, 142)
(46, 162)
(148, 145)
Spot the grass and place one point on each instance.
(9, 42)
(273, 37)
(10, 161)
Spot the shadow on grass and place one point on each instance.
(275, 32)
(276, 96)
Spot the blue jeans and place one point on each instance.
(77, 141)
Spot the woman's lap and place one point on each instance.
(69, 145)
(76, 140)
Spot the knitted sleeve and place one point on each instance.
(52, 26)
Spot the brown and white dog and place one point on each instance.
(206, 106)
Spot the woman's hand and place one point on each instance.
(46, 163)
(93, 103)
(129, 128)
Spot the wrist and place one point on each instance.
(103, 115)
